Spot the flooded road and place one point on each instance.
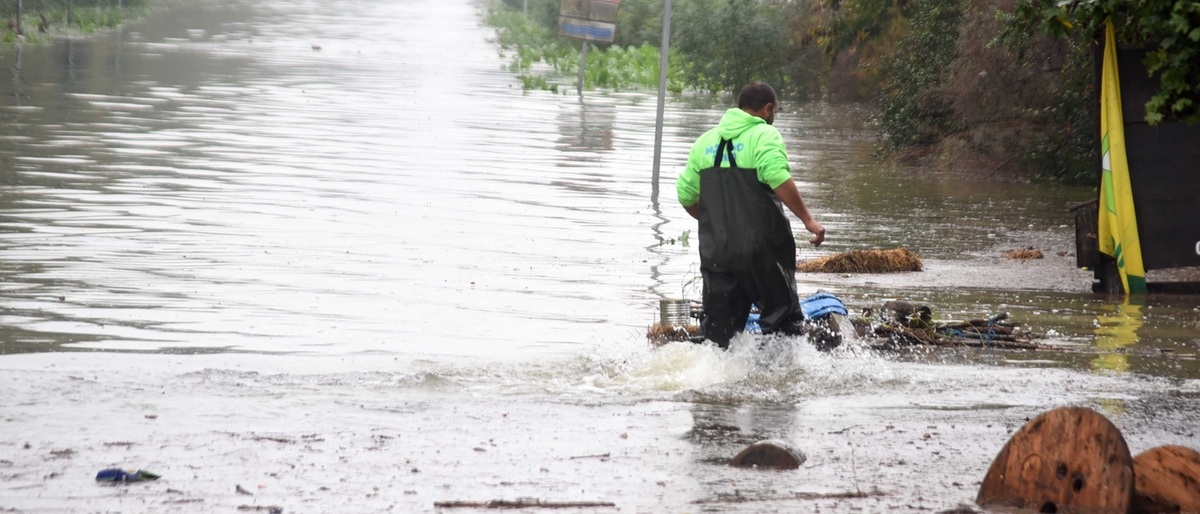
(378, 274)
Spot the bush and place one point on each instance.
(717, 45)
(729, 43)
(913, 110)
(532, 42)
(1169, 29)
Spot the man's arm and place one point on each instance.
(693, 209)
(790, 196)
(688, 186)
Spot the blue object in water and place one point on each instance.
(120, 475)
(821, 305)
(815, 307)
(752, 326)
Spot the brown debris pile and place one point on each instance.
(994, 332)
(864, 261)
(664, 333)
(1023, 253)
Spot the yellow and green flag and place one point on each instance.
(1118, 234)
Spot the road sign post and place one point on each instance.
(590, 20)
(582, 66)
(664, 55)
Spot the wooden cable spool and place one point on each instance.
(1169, 476)
(1066, 460)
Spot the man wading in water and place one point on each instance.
(736, 176)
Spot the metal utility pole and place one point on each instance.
(20, 13)
(70, 12)
(664, 49)
(583, 65)
(525, 8)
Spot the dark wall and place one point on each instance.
(1164, 169)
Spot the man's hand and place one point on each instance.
(790, 196)
(817, 230)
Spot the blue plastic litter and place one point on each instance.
(820, 305)
(121, 475)
(752, 326)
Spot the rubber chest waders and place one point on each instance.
(747, 251)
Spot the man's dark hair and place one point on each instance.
(755, 95)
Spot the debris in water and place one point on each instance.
(60, 454)
(738, 498)
(771, 453)
(316, 47)
(242, 490)
(1023, 253)
(662, 333)
(864, 261)
(993, 332)
(903, 313)
(277, 439)
(520, 503)
(121, 475)
(270, 509)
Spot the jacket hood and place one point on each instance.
(735, 121)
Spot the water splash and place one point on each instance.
(754, 369)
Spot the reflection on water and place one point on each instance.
(1117, 332)
(207, 181)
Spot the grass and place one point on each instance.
(87, 20)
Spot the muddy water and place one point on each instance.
(377, 275)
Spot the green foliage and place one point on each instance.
(1168, 29)
(1063, 133)
(729, 43)
(88, 16)
(9, 7)
(639, 23)
(718, 45)
(850, 23)
(533, 45)
(88, 20)
(912, 110)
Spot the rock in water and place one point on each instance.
(1169, 475)
(771, 453)
(1066, 460)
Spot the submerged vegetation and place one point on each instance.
(42, 19)
(995, 86)
(529, 44)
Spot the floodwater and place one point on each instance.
(332, 253)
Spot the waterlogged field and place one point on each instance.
(383, 274)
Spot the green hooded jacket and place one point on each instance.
(757, 145)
